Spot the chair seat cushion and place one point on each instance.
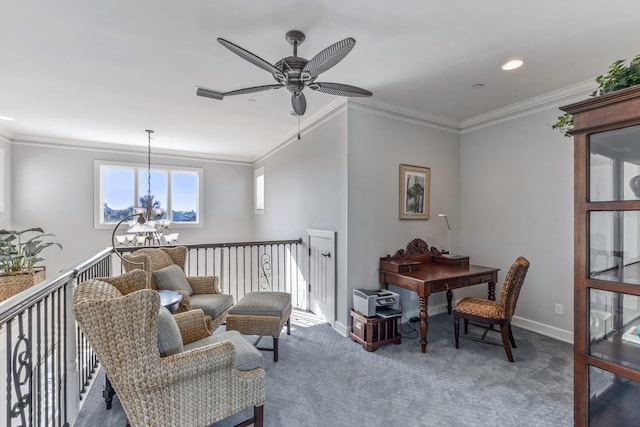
(172, 278)
(212, 304)
(169, 337)
(480, 307)
(263, 304)
(247, 356)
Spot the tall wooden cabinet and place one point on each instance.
(607, 259)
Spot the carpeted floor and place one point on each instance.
(324, 379)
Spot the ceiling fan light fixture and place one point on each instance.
(512, 64)
(295, 73)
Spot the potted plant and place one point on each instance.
(619, 76)
(19, 254)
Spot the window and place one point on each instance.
(121, 187)
(259, 190)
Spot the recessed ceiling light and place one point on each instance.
(512, 65)
(6, 118)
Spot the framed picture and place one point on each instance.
(414, 192)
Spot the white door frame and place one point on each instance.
(327, 235)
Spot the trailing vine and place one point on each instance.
(618, 77)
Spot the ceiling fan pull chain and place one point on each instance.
(298, 128)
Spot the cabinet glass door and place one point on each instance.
(613, 399)
(614, 246)
(614, 327)
(614, 159)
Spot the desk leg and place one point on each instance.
(424, 323)
(449, 299)
(492, 291)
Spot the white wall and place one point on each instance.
(506, 187)
(378, 143)
(306, 188)
(516, 196)
(5, 192)
(53, 189)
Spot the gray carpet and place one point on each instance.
(324, 379)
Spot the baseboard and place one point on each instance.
(433, 310)
(340, 328)
(541, 328)
(530, 325)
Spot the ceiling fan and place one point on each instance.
(294, 72)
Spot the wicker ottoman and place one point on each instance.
(261, 314)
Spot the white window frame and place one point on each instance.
(98, 184)
(260, 187)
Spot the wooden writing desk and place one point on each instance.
(424, 271)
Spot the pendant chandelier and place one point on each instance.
(149, 224)
(152, 216)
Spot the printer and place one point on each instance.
(376, 302)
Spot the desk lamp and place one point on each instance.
(446, 218)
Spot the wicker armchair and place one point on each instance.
(490, 312)
(204, 291)
(196, 385)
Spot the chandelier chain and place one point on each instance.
(149, 132)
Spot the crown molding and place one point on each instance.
(528, 106)
(5, 134)
(427, 120)
(326, 113)
(570, 93)
(72, 144)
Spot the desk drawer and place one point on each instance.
(449, 284)
(474, 280)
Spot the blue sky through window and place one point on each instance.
(119, 195)
(118, 188)
(184, 190)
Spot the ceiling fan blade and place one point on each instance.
(208, 93)
(248, 56)
(252, 89)
(329, 57)
(299, 103)
(339, 89)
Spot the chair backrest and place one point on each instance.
(123, 331)
(513, 282)
(153, 259)
(121, 328)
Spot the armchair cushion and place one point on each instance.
(212, 304)
(247, 356)
(172, 278)
(169, 337)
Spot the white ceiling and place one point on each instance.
(106, 71)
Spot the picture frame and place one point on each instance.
(415, 183)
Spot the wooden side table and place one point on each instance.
(373, 332)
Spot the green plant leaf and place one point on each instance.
(619, 76)
(17, 255)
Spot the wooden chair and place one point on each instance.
(491, 313)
